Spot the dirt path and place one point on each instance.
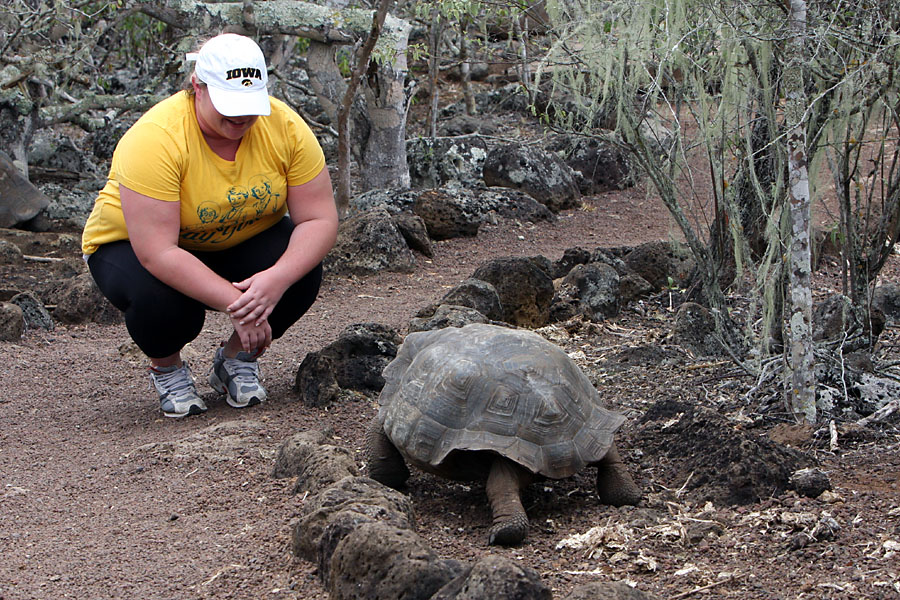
(101, 497)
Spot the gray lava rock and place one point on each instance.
(517, 205)
(695, 330)
(603, 590)
(357, 494)
(58, 151)
(36, 314)
(593, 288)
(810, 482)
(494, 577)
(293, 452)
(380, 562)
(887, 299)
(315, 382)
(525, 290)
(314, 463)
(570, 258)
(353, 361)
(449, 211)
(613, 258)
(393, 201)
(632, 287)
(563, 309)
(542, 175)
(477, 294)
(346, 521)
(69, 203)
(79, 300)
(368, 243)
(10, 254)
(463, 124)
(413, 229)
(599, 166)
(448, 215)
(659, 261)
(104, 141)
(433, 163)
(834, 316)
(12, 322)
(447, 315)
(20, 201)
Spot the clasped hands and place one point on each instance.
(250, 312)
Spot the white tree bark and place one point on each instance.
(305, 19)
(802, 384)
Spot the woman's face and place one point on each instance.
(214, 124)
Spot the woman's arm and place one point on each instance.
(153, 227)
(314, 214)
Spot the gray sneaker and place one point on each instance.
(177, 395)
(238, 378)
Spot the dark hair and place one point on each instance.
(187, 84)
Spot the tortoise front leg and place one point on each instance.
(385, 463)
(614, 483)
(504, 487)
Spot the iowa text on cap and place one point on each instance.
(243, 72)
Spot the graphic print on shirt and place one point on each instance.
(241, 207)
(237, 199)
(261, 190)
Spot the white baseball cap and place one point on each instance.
(234, 70)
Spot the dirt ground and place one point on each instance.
(101, 497)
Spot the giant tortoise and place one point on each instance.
(486, 401)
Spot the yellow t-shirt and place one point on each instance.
(164, 156)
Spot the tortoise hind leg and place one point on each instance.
(614, 483)
(504, 487)
(385, 463)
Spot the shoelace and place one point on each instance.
(242, 370)
(175, 382)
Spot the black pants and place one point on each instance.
(161, 320)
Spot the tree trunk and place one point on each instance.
(465, 66)
(327, 82)
(801, 391)
(362, 65)
(384, 152)
(434, 68)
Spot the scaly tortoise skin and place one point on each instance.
(485, 401)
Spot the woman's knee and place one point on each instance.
(295, 302)
(162, 329)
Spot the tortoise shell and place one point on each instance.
(490, 388)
